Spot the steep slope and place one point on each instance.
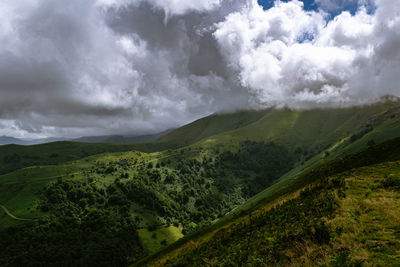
(346, 216)
(315, 129)
(209, 126)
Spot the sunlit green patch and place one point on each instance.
(154, 240)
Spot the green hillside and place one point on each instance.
(340, 214)
(209, 126)
(315, 129)
(190, 182)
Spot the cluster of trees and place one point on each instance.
(84, 228)
(257, 164)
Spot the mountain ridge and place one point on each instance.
(9, 140)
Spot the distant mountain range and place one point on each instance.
(121, 138)
(7, 140)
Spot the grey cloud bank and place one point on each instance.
(73, 68)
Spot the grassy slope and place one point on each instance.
(364, 229)
(370, 216)
(209, 126)
(153, 240)
(371, 235)
(309, 128)
(385, 152)
(356, 153)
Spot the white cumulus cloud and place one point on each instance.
(289, 56)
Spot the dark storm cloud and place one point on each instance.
(187, 40)
(63, 68)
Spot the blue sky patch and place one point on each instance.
(308, 4)
(343, 5)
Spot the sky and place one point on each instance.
(98, 67)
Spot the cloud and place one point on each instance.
(104, 67)
(116, 66)
(287, 56)
(61, 61)
(170, 7)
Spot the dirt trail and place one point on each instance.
(12, 215)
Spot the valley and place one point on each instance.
(218, 187)
(207, 133)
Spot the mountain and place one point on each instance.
(132, 200)
(46, 140)
(121, 138)
(6, 140)
(311, 129)
(209, 126)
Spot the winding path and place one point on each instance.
(12, 215)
